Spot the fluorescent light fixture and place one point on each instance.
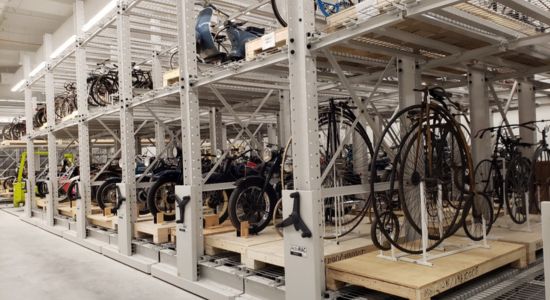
(63, 46)
(100, 15)
(18, 86)
(38, 68)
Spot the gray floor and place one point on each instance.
(35, 264)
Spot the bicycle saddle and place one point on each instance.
(439, 93)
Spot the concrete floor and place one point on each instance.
(35, 264)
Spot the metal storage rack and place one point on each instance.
(388, 51)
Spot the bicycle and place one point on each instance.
(537, 179)
(508, 188)
(430, 161)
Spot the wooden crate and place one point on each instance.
(171, 77)
(160, 231)
(269, 43)
(419, 282)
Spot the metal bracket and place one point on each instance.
(295, 219)
(182, 203)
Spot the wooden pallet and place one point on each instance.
(214, 244)
(273, 252)
(160, 232)
(268, 248)
(171, 77)
(419, 282)
(109, 222)
(268, 43)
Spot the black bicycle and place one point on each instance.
(538, 180)
(510, 186)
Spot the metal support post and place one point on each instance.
(29, 110)
(271, 134)
(84, 205)
(304, 255)
(127, 213)
(527, 110)
(284, 117)
(216, 138)
(160, 138)
(479, 113)
(52, 144)
(189, 233)
(224, 137)
(409, 79)
(156, 71)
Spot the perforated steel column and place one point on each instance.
(409, 79)
(127, 214)
(189, 234)
(84, 205)
(479, 113)
(304, 255)
(284, 117)
(216, 139)
(31, 161)
(52, 141)
(527, 113)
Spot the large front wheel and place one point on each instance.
(248, 203)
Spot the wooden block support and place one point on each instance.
(211, 221)
(244, 232)
(171, 77)
(160, 218)
(107, 211)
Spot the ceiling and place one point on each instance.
(23, 24)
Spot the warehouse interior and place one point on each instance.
(274, 149)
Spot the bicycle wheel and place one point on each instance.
(432, 151)
(481, 210)
(537, 184)
(280, 11)
(345, 154)
(489, 181)
(517, 180)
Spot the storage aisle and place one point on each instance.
(34, 264)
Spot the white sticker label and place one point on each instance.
(268, 41)
(300, 251)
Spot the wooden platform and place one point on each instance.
(531, 240)
(418, 282)
(160, 232)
